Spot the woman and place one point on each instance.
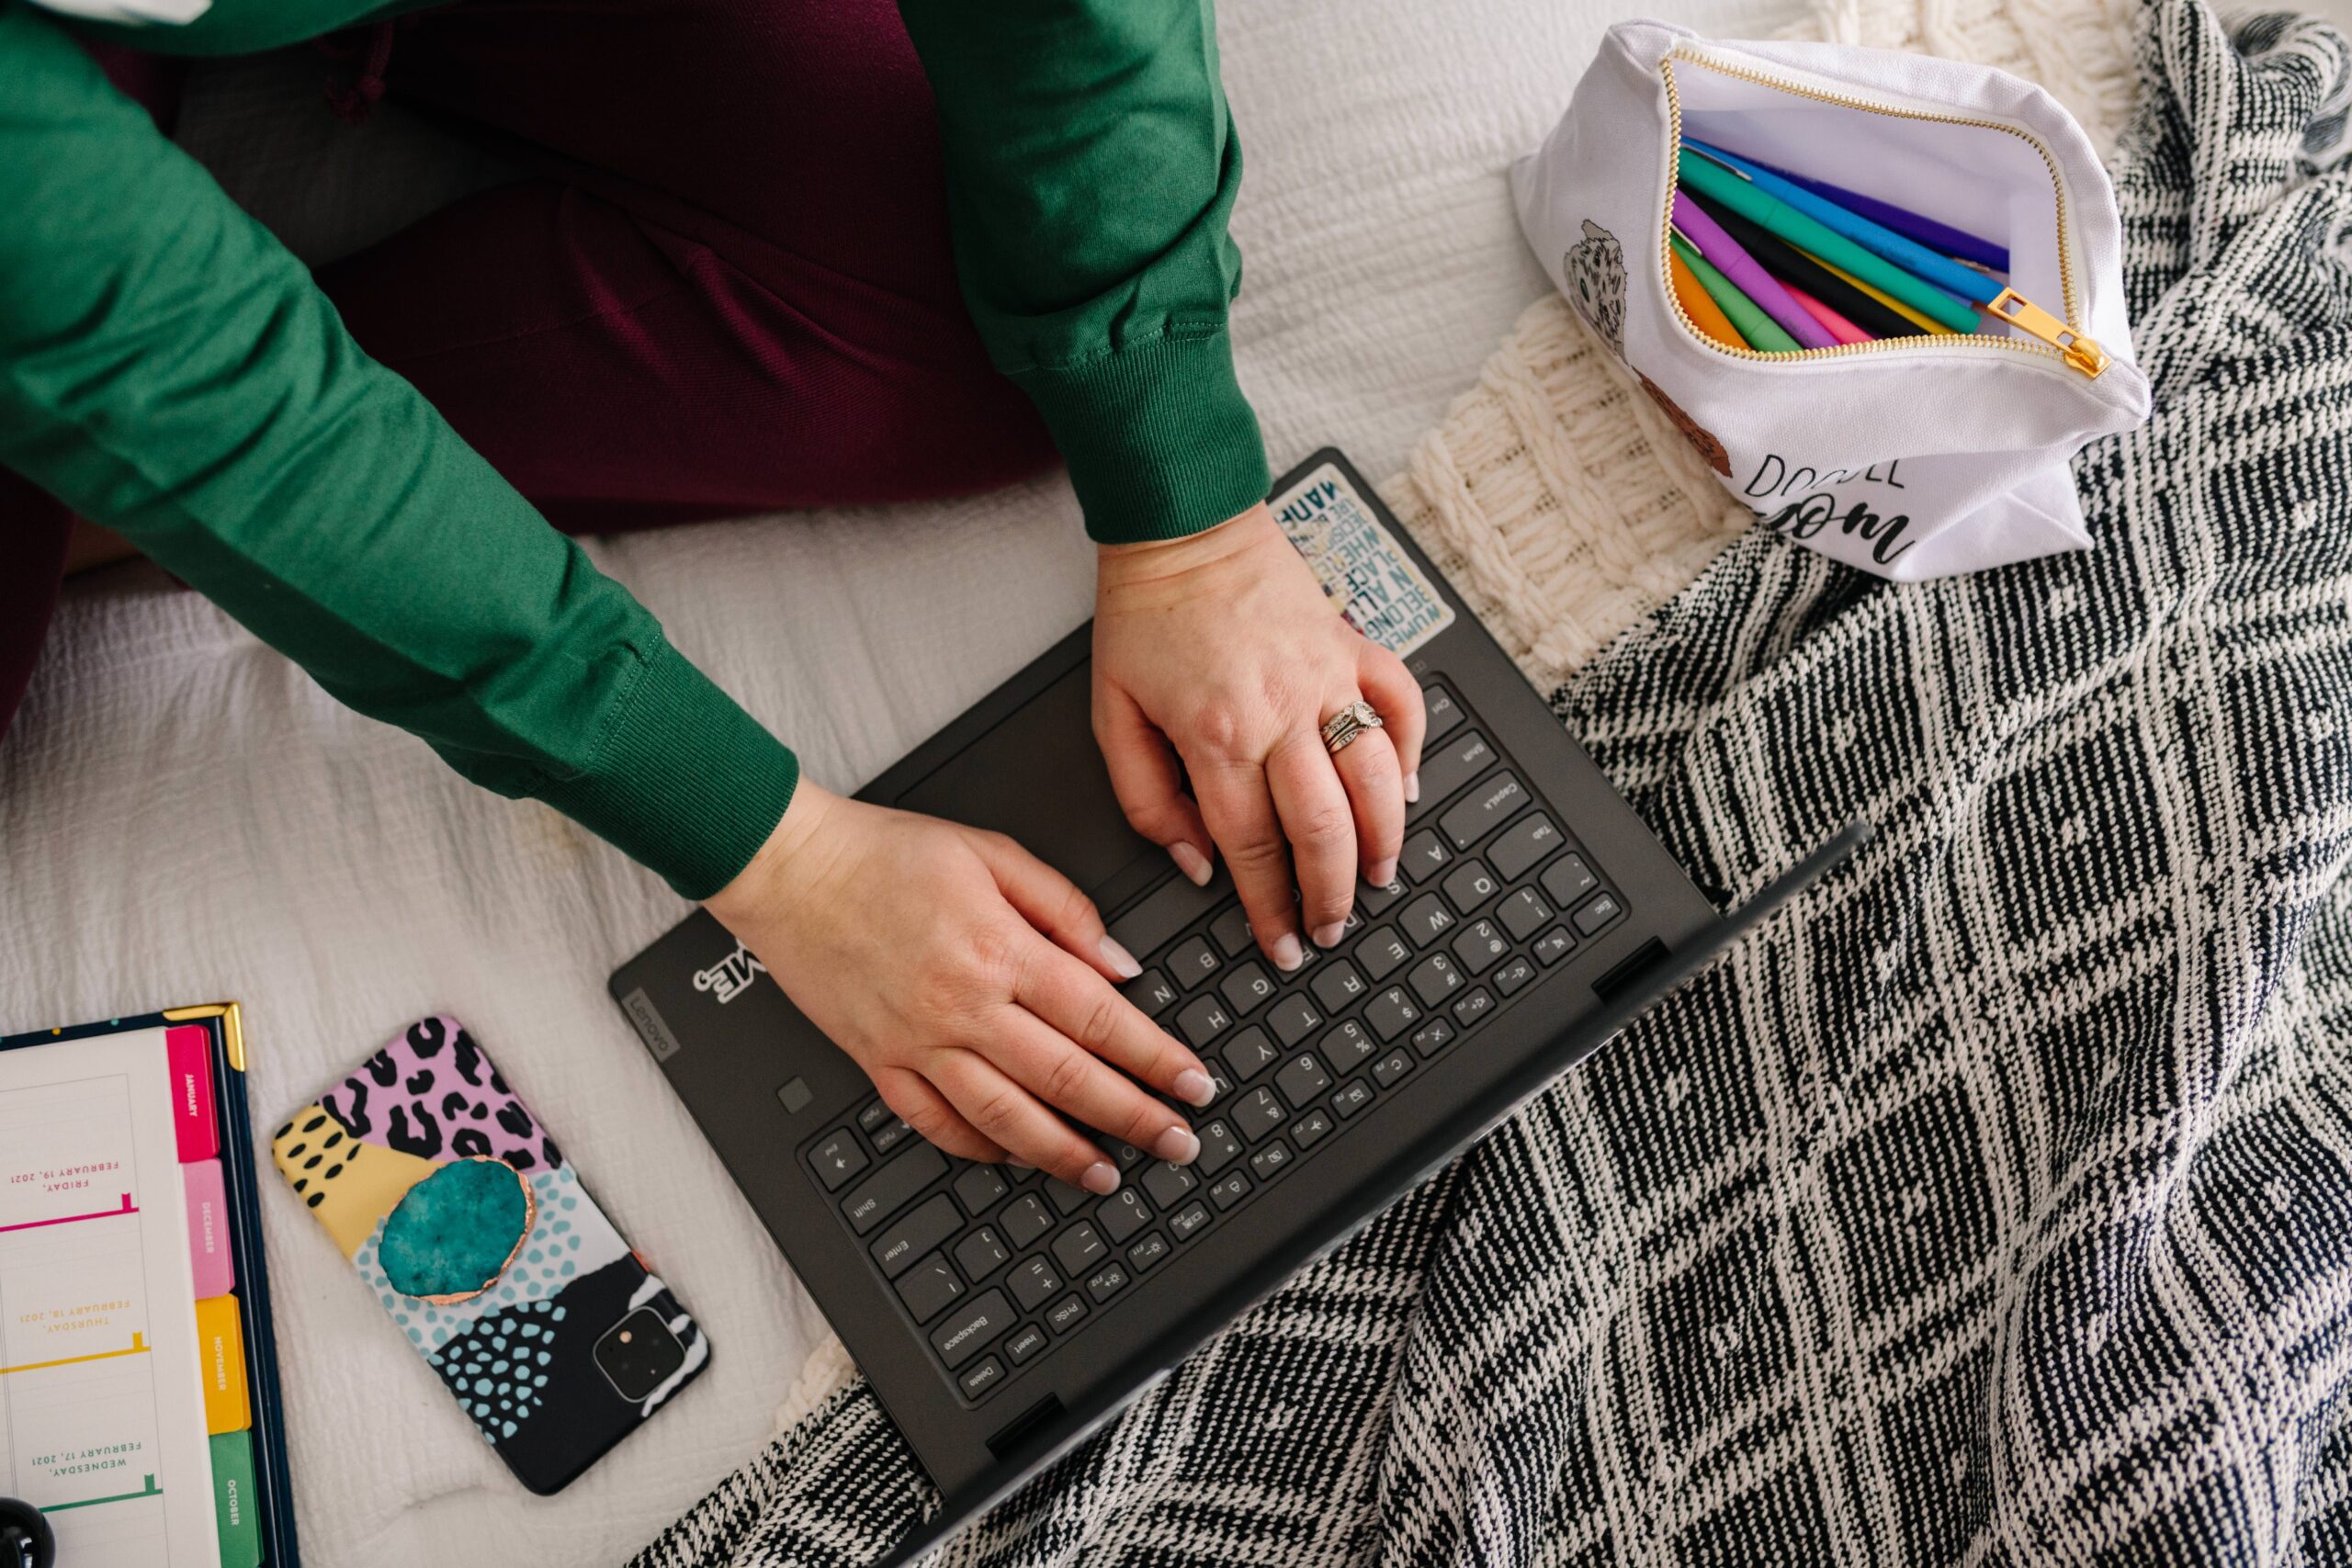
(728, 288)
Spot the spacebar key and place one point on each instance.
(885, 1191)
(967, 1333)
(1143, 930)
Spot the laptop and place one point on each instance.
(1000, 1315)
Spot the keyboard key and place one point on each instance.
(875, 1114)
(1147, 1252)
(979, 1186)
(1152, 991)
(1470, 884)
(1434, 1037)
(1122, 1214)
(1230, 1189)
(1165, 911)
(1081, 1248)
(1553, 945)
(837, 1159)
(981, 1378)
(1382, 952)
(1352, 1097)
(1568, 879)
(1167, 1184)
(968, 1330)
(1248, 1054)
(1302, 1079)
(1425, 855)
(1471, 1008)
(1067, 1200)
(1434, 979)
(1193, 963)
(890, 1189)
(1249, 988)
(1127, 1156)
(890, 1134)
(1034, 1283)
(1426, 918)
(1024, 1343)
(1292, 1018)
(1220, 1147)
(1442, 711)
(1526, 844)
(1231, 931)
(1259, 1113)
(1479, 948)
(1597, 913)
(1523, 913)
(1447, 767)
(1188, 1220)
(1203, 1020)
(981, 1254)
(1271, 1160)
(1513, 976)
(1494, 802)
(1308, 1129)
(1026, 1220)
(1370, 900)
(1391, 1013)
(1338, 986)
(1105, 1281)
(1347, 1047)
(1391, 1068)
(1065, 1312)
(920, 1231)
(928, 1287)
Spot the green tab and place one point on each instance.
(235, 1500)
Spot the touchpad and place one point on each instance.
(1039, 777)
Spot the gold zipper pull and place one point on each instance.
(2078, 351)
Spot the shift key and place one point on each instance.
(1447, 767)
(888, 1190)
(969, 1329)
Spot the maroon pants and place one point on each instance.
(726, 289)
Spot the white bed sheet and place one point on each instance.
(184, 818)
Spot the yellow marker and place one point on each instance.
(221, 1350)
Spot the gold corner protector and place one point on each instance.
(232, 1034)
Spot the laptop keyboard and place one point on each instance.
(998, 1266)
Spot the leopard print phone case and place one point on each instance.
(474, 1234)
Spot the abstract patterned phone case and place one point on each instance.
(473, 1231)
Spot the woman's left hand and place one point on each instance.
(1224, 647)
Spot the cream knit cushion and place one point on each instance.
(1556, 495)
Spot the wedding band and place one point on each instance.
(1341, 728)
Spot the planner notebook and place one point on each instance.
(139, 1405)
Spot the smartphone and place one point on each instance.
(475, 1235)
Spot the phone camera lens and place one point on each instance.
(638, 1354)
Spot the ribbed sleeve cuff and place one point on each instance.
(686, 782)
(1159, 441)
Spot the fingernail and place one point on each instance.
(1383, 873)
(1288, 955)
(1194, 1087)
(1178, 1146)
(1100, 1179)
(1191, 862)
(1123, 963)
(1328, 937)
(1412, 788)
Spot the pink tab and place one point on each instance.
(208, 1228)
(190, 1049)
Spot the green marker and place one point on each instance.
(1747, 317)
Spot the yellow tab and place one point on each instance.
(220, 1347)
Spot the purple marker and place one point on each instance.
(1731, 258)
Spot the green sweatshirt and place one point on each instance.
(168, 369)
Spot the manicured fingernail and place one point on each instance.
(1123, 963)
(1100, 1179)
(1178, 1146)
(1412, 788)
(1288, 954)
(1191, 862)
(1383, 873)
(1194, 1087)
(1328, 937)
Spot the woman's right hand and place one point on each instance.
(973, 983)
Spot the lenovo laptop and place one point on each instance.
(998, 1315)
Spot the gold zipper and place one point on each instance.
(2059, 340)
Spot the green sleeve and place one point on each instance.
(1091, 167)
(168, 369)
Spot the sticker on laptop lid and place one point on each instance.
(1377, 586)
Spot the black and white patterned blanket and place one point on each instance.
(1996, 1207)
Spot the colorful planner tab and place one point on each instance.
(208, 1228)
(234, 1499)
(220, 1354)
(188, 1049)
